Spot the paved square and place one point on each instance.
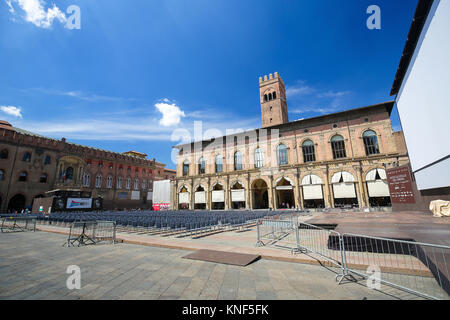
(33, 266)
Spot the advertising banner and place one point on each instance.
(79, 203)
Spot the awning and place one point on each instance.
(311, 179)
(218, 196)
(183, 197)
(346, 177)
(378, 188)
(238, 195)
(200, 197)
(371, 175)
(312, 192)
(344, 190)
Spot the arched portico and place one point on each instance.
(284, 194)
(260, 193)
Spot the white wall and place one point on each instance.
(423, 101)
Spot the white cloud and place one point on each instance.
(11, 8)
(171, 113)
(298, 90)
(332, 94)
(36, 13)
(12, 111)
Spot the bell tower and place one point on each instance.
(273, 100)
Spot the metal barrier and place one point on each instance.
(417, 268)
(322, 243)
(91, 232)
(278, 233)
(18, 224)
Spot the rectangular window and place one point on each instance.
(338, 149)
(308, 153)
(371, 145)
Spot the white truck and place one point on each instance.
(162, 195)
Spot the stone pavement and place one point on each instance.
(33, 266)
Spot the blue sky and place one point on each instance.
(137, 70)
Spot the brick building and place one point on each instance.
(31, 165)
(334, 160)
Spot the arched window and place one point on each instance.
(47, 160)
(219, 163)
(128, 183)
(2, 174)
(238, 160)
(4, 154)
(109, 182)
(26, 157)
(282, 154)
(371, 142)
(338, 147)
(144, 184)
(98, 181)
(136, 184)
(265, 97)
(274, 95)
(259, 158)
(185, 168)
(270, 96)
(43, 178)
(309, 154)
(23, 176)
(119, 182)
(86, 179)
(202, 166)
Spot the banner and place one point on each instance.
(161, 206)
(79, 203)
(238, 195)
(135, 195)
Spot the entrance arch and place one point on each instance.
(17, 203)
(285, 194)
(260, 194)
(237, 196)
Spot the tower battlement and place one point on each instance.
(273, 100)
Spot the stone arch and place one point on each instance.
(17, 202)
(183, 185)
(286, 178)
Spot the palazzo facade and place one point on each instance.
(334, 160)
